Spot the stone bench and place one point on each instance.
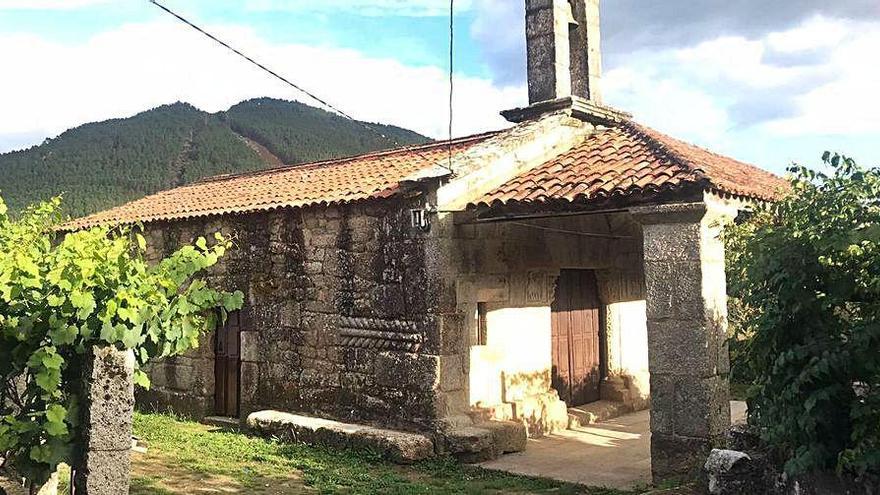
(397, 446)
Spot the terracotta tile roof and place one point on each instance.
(374, 175)
(630, 160)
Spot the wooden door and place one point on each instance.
(576, 323)
(227, 366)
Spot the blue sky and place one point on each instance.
(764, 83)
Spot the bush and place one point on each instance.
(59, 297)
(806, 273)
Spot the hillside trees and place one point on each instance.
(60, 296)
(101, 165)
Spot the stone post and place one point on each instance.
(103, 466)
(687, 333)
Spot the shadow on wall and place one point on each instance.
(516, 386)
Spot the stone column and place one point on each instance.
(548, 25)
(687, 333)
(103, 466)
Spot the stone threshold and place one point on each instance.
(596, 412)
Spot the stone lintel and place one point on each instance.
(577, 107)
(670, 213)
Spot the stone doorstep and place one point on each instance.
(397, 446)
(596, 412)
(484, 440)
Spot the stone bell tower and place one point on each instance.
(563, 40)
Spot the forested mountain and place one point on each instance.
(100, 165)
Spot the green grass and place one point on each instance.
(182, 452)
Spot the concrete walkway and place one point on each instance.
(613, 454)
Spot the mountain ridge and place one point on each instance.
(99, 165)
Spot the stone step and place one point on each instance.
(596, 412)
(485, 441)
(397, 446)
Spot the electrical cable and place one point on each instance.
(311, 94)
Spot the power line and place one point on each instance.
(311, 94)
(570, 232)
(451, 72)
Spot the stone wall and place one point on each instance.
(512, 269)
(339, 316)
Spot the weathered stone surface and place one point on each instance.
(676, 455)
(672, 241)
(451, 373)
(719, 470)
(301, 271)
(103, 464)
(692, 347)
(397, 446)
(471, 444)
(597, 412)
(508, 436)
(687, 328)
(690, 405)
(407, 371)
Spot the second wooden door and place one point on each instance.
(227, 366)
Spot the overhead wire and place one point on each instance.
(451, 73)
(313, 95)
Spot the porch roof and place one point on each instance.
(631, 160)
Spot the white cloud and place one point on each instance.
(48, 4)
(847, 103)
(121, 72)
(816, 80)
(407, 8)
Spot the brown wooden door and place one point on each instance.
(575, 337)
(227, 366)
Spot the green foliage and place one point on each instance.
(298, 133)
(97, 166)
(807, 274)
(59, 296)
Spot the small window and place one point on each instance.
(419, 219)
(482, 326)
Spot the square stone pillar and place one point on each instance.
(687, 333)
(103, 464)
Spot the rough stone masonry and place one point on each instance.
(339, 317)
(687, 333)
(103, 463)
